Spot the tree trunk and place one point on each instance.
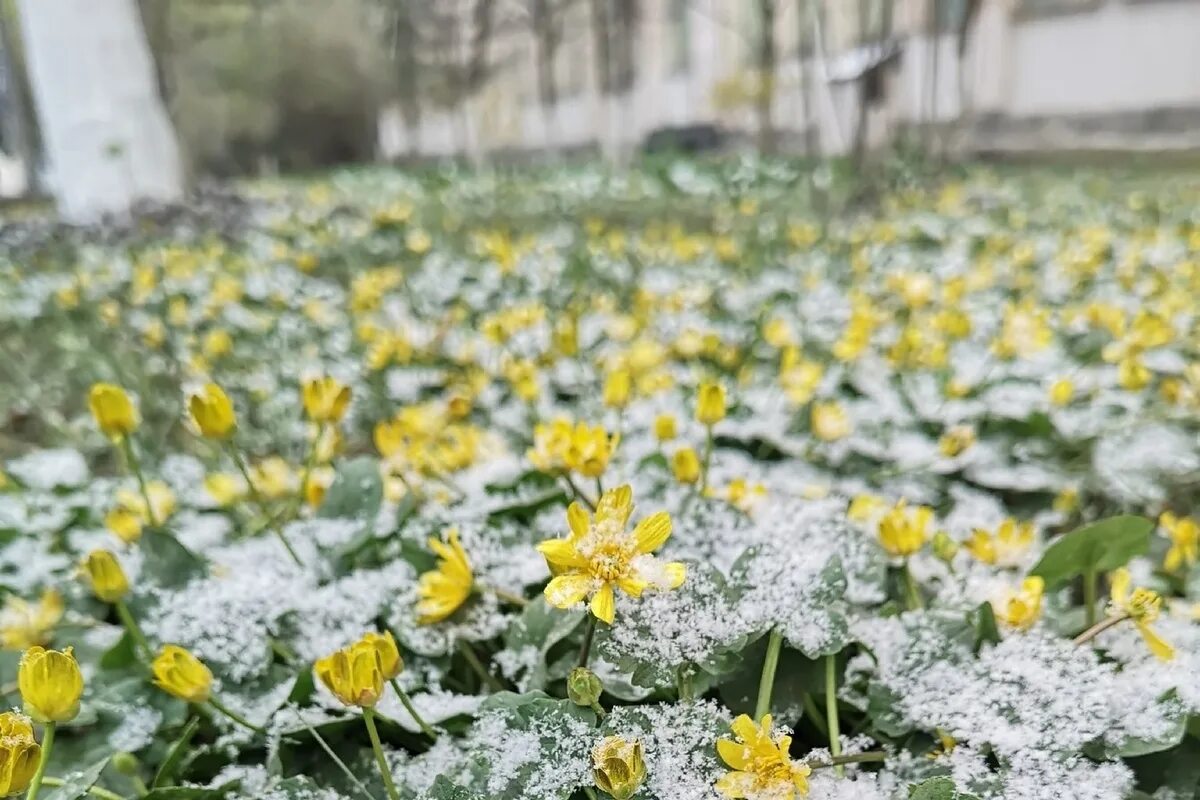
(765, 97)
(547, 35)
(108, 140)
(19, 134)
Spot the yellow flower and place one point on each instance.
(710, 404)
(956, 441)
(390, 663)
(130, 514)
(600, 554)
(212, 412)
(664, 427)
(1006, 547)
(903, 531)
(444, 589)
(273, 478)
(105, 575)
(759, 763)
(24, 624)
(113, 410)
(1133, 374)
(1067, 500)
(685, 464)
(618, 385)
(180, 674)
(829, 421)
(1185, 541)
(1061, 391)
(560, 446)
(1019, 608)
(1142, 606)
(50, 684)
(19, 753)
(325, 399)
(224, 488)
(865, 507)
(618, 766)
(354, 674)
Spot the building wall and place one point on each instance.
(1036, 74)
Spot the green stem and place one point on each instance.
(913, 591)
(384, 771)
(135, 467)
(341, 764)
(814, 714)
(1099, 628)
(166, 770)
(239, 719)
(831, 711)
(683, 678)
(406, 701)
(509, 597)
(857, 758)
(578, 494)
(47, 745)
(590, 792)
(309, 462)
(589, 633)
(1089, 597)
(131, 625)
(766, 683)
(94, 791)
(472, 658)
(708, 451)
(261, 501)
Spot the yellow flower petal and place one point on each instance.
(567, 590)
(561, 553)
(736, 755)
(1157, 645)
(578, 519)
(604, 604)
(652, 532)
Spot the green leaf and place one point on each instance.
(986, 631)
(937, 789)
(356, 493)
(1100, 547)
(541, 627)
(168, 562)
(170, 764)
(190, 792)
(76, 784)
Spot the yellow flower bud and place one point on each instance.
(113, 410)
(617, 387)
(664, 427)
(618, 766)
(1061, 391)
(325, 399)
(126, 524)
(50, 684)
(354, 674)
(212, 412)
(710, 404)
(829, 421)
(19, 753)
(903, 531)
(686, 465)
(1019, 608)
(390, 662)
(104, 573)
(180, 674)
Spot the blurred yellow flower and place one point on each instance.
(710, 404)
(829, 421)
(665, 428)
(1019, 608)
(105, 576)
(1184, 534)
(903, 530)
(325, 399)
(180, 674)
(560, 446)
(444, 589)
(113, 410)
(212, 412)
(685, 465)
(1142, 606)
(1006, 547)
(24, 624)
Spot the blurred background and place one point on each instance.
(104, 103)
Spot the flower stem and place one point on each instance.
(1089, 597)
(708, 451)
(1099, 628)
(578, 494)
(590, 792)
(509, 597)
(94, 791)
(683, 683)
(47, 745)
(135, 467)
(239, 719)
(766, 683)
(831, 713)
(406, 701)
(857, 758)
(131, 625)
(589, 633)
(913, 591)
(385, 772)
(814, 714)
(261, 502)
(472, 658)
(320, 740)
